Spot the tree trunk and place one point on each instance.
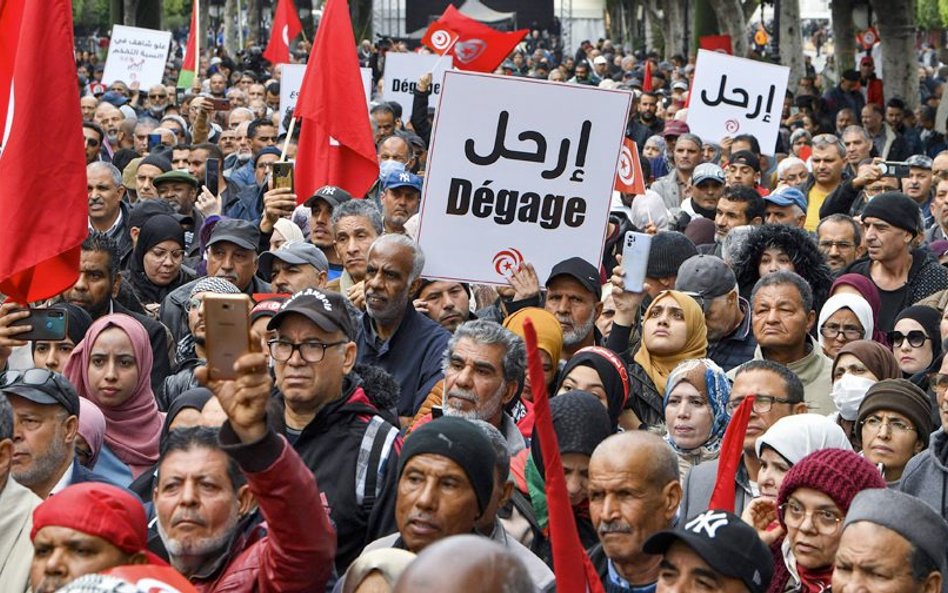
(791, 41)
(731, 21)
(674, 29)
(129, 12)
(897, 33)
(253, 23)
(231, 23)
(205, 26)
(844, 35)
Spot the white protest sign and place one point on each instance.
(402, 72)
(292, 80)
(731, 96)
(526, 179)
(136, 54)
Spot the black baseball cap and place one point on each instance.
(327, 309)
(729, 546)
(145, 209)
(745, 157)
(331, 194)
(43, 387)
(237, 231)
(583, 271)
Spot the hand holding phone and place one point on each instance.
(635, 252)
(282, 175)
(227, 333)
(212, 175)
(48, 325)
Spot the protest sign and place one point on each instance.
(732, 96)
(402, 72)
(292, 79)
(136, 55)
(526, 179)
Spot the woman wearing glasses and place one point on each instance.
(844, 318)
(895, 422)
(916, 343)
(157, 262)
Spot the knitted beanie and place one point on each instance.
(901, 396)
(580, 421)
(837, 473)
(895, 208)
(669, 250)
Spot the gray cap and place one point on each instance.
(296, 253)
(706, 276)
(708, 172)
(906, 515)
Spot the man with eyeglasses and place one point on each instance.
(777, 393)
(350, 445)
(926, 474)
(839, 238)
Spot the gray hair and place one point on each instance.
(800, 133)
(6, 418)
(785, 164)
(499, 443)
(824, 140)
(148, 123)
(857, 131)
(688, 137)
(486, 332)
(111, 169)
(364, 208)
(734, 242)
(785, 277)
(417, 259)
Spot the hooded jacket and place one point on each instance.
(926, 475)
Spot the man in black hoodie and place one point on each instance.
(351, 445)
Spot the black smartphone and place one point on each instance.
(892, 169)
(154, 141)
(220, 104)
(179, 96)
(212, 174)
(49, 325)
(282, 175)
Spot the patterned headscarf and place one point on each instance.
(709, 379)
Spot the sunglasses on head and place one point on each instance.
(915, 338)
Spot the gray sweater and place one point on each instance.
(926, 475)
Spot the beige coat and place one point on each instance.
(16, 549)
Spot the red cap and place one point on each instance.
(866, 60)
(675, 127)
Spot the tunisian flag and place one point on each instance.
(478, 47)
(44, 202)
(629, 176)
(336, 145)
(286, 26)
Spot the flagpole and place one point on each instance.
(197, 44)
(240, 28)
(286, 142)
(441, 57)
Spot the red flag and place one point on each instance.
(479, 47)
(647, 78)
(732, 447)
(718, 43)
(629, 176)
(568, 552)
(44, 203)
(336, 145)
(286, 26)
(440, 39)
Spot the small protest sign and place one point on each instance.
(402, 72)
(136, 55)
(292, 79)
(528, 178)
(732, 96)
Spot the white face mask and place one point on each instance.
(848, 393)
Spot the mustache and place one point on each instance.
(189, 516)
(617, 526)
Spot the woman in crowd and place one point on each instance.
(156, 267)
(375, 572)
(858, 366)
(601, 372)
(673, 330)
(773, 247)
(844, 318)
(285, 231)
(895, 422)
(812, 503)
(857, 284)
(91, 433)
(696, 395)
(550, 343)
(53, 355)
(799, 139)
(916, 343)
(111, 367)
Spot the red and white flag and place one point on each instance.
(477, 47)
(44, 202)
(629, 177)
(286, 26)
(336, 145)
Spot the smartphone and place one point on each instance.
(635, 252)
(282, 175)
(49, 325)
(179, 96)
(227, 329)
(220, 104)
(154, 141)
(212, 174)
(437, 411)
(892, 169)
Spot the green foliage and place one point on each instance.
(943, 10)
(929, 14)
(91, 13)
(177, 13)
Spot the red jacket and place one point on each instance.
(293, 551)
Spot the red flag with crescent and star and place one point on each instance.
(474, 45)
(286, 26)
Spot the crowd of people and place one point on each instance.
(380, 432)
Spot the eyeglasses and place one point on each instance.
(916, 338)
(150, 96)
(832, 330)
(824, 520)
(176, 255)
(875, 424)
(282, 351)
(840, 245)
(762, 403)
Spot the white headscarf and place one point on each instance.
(794, 437)
(855, 303)
(649, 207)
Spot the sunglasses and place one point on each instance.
(916, 338)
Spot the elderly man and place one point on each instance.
(778, 392)
(574, 296)
(792, 171)
(108, 212)
(715, 549)
(110, 118)
(890, 542)
(787, 205)
(85, 529)
(839, 238)
(148, 169)
(17, 503)
(828, 161)
(393, 335)
(180, 190)
(321, 206)
(466, 564)
(294, 267)
(674, 186)
(903, 274)
(712, 283)
(400, 199)
(640, 463)
(209, 481)
(356, 224)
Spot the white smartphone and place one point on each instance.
(635, 252)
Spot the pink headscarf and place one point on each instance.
(92, 428)
(134, 427)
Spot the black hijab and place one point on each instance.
(155, 230)
(612, 372)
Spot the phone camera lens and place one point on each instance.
(49, 324)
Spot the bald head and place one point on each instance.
(395, 148)
(643, 453)
(466, 564)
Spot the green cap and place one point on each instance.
(182, 176)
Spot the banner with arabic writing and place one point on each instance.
(136, 55)
(519, 170)
(732, 96)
